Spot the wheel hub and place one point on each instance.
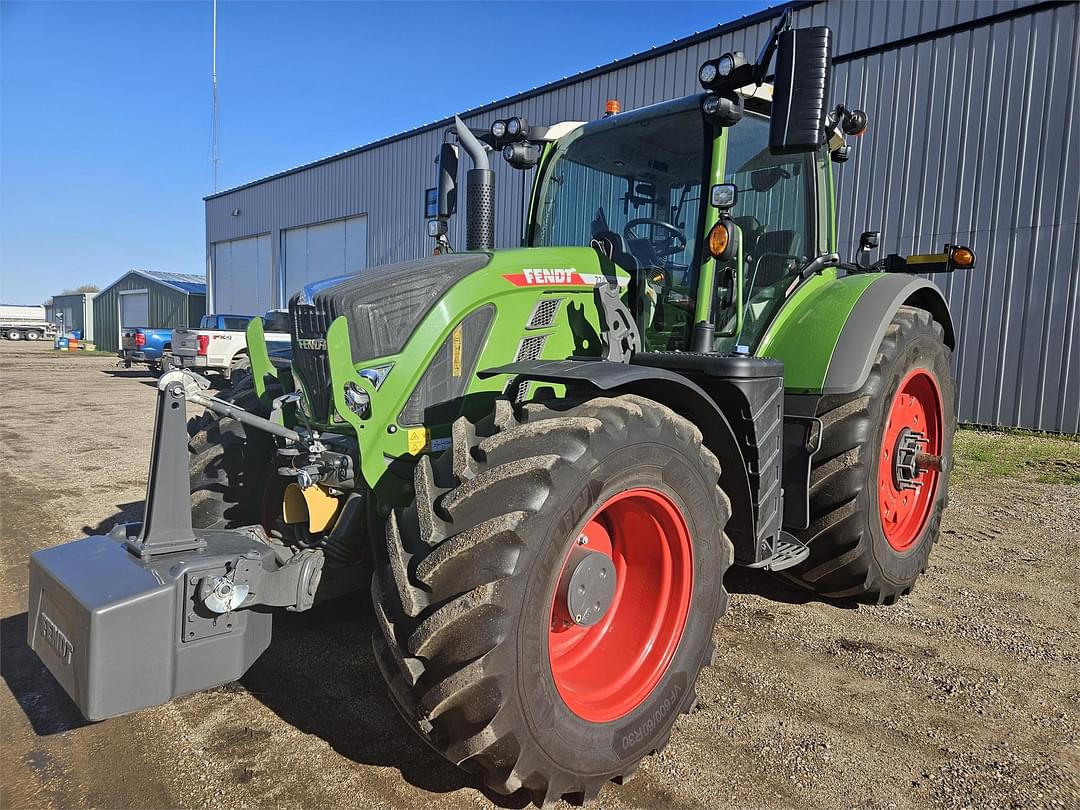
(588, 586)
(905, 469)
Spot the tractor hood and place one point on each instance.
(383, 306)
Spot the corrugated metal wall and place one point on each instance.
(82, 312)
(169, 308)
(972, 107)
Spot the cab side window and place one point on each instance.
(774, 211)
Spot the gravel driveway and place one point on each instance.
(965, 694)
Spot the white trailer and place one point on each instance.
(25, 322)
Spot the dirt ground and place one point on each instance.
(966, 694)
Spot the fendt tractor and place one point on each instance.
(542, 461)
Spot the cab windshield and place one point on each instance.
(633, 183)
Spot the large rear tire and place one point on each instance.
(482, 653)
(870, 539)
(231, 465)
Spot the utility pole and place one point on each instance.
(215, 147)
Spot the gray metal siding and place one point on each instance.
(169, 308)
(82, 312)
(970, 140)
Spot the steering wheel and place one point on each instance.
(662, 248)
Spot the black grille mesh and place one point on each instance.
(309, 323)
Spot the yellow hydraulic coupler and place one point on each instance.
(314, 506)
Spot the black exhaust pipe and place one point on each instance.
(479, 192)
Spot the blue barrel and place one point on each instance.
(77, 334)
(61, 342)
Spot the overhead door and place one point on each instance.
(134, 309)
(243, 276)
(315, 252)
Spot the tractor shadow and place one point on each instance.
(130, 512)
(43, 701)
(320, 677)
(770, 586)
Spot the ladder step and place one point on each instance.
(787, 551)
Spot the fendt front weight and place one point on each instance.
(159, 609)
(540, 462)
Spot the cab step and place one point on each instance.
(787, 551)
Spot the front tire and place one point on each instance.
(476, 643)
(230, 465)
(870, 539)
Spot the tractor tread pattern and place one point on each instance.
(438, 589)
(841, 565)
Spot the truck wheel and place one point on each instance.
(230, 466)
(13, 334)
(547, 601)
(874, 512)
(32, 334)
(240, 363)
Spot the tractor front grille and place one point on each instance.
(310, 360)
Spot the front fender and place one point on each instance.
(828, 332)
(676, 392)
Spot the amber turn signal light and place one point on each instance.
(722, 239)
(963, 257)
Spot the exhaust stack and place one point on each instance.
(479, 192)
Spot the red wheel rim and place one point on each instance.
(916, 408)
(607, 670)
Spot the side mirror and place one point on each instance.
(448, 160)
(801, 91)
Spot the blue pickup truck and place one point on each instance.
(146, 347)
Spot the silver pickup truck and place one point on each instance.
(220, 342)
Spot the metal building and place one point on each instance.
(147, 298)
(973, 109)
(73, 312)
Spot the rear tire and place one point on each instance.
(466, 588)
(230, 464)
(32, 334)
(851, 555)
(13, 334)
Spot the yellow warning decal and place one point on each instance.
(455, 352)
(928, 258)
(418, 440)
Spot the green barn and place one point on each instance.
(147, 298)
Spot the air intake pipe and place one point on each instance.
(479, 192)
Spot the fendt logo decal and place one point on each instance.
(564, 276)
(312, 344)
(56, 638)
(554, 277)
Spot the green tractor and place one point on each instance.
(542, 461)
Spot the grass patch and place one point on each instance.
(983, 455)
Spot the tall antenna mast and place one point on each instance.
(215, 147)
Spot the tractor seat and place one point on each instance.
(711, 365)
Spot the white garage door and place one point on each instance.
(134, 309)
(315, 252)
(243, 276)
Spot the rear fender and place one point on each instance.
(828, 332)
(676, 392)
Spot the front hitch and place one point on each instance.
(158, 609)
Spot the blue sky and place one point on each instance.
(105, 107)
